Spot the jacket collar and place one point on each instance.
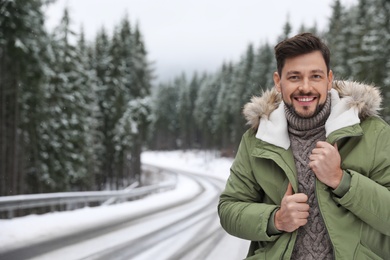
(350, 103)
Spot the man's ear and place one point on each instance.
(277, 81)
(330, 78)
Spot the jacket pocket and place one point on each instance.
(363, 253)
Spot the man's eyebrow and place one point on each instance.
(292, 72)
(295, 72)
(318, 71)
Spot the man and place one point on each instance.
(311, 178)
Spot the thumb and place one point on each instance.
(289, 190)
(335, 146)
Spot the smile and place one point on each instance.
(305, 99)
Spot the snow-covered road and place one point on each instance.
(178, 224)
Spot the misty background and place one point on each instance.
(193, 35)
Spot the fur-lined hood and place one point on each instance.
(351, 102)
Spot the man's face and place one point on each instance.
(304, 83)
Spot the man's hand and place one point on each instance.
(325, 162)
(293, 211)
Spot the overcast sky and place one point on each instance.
(189, 35)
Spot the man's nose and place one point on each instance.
(305, 86)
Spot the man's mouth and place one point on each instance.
(305, 99)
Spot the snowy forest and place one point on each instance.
(76, 115)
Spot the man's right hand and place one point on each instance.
(293, 211)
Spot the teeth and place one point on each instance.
(305, 99)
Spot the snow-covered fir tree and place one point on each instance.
(23, 42)
(68, 108)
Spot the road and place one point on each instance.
(186, 228)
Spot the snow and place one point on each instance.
(22, 231)
(197, 162)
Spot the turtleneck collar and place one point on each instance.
(302, 124)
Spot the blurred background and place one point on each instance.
(87, 86)
(138, 103)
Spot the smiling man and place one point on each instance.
(311, 178)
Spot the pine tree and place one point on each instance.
(165, 125)
(242, 92)
(287, 29)
(88, 82)
(140, 95)
(358, 55)
(338, 42)
(184, 111)
(22, 47)
(222, 116)
(193, 128)
(143, 72)
(68, 109)
(380, 47)
(130, 134)
(124, 82)
(101, 62)
(115, 95)
(373, 55)
(263, 69)
(204, 106)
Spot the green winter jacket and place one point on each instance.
(358, 220)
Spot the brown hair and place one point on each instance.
(303, 43)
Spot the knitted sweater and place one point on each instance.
(313, 241)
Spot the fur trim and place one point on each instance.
(261, 106)
(366, 98)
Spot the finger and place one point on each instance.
(316, 158)
(302, 207)
(299, 198)
(322, 144)
(302, 215)
(315, 151)
(335, 146)
(318, 150)
(302, 222)
(313, 157)
(289, 190)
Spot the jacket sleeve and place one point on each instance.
(368, 196)
(240, 207)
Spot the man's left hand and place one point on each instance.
(325, 162)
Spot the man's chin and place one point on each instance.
(305, 112)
